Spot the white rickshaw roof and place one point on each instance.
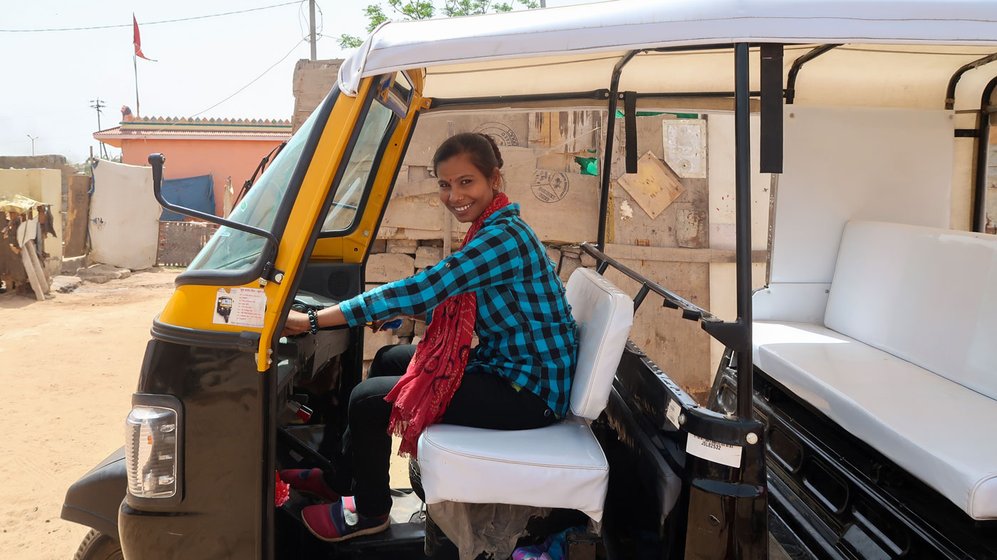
(525, 52)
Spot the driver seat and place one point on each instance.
(558, 466)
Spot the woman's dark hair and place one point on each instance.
(484, 152)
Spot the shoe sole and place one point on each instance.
(358, 533)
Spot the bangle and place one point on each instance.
(313, 321)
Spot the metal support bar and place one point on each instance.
(607, 165)
(794, 70)
(742, 190)
(771, 110)
(672, 300)
(639, 298)
(954, 80)
(982, 147)
(630, 129)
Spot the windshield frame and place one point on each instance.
(268, 253)
(371, 177)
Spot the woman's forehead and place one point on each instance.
(456, 166)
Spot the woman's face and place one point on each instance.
(464, 190)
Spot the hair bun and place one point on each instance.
(495, 148)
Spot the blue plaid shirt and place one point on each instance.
(525, 330)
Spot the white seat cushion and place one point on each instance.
(560, 466)
(604, 315)
(936, 429)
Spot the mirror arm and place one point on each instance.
(157, 161)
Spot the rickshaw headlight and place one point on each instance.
(151, 451)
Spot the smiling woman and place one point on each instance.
(500, 286)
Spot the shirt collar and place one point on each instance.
(506, 211)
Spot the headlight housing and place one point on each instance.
(152, 447)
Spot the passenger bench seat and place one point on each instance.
(906, 359)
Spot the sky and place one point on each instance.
(51, 78)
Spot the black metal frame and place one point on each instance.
(954, 80)
(794, 70)
(607, 164)
(982, 146)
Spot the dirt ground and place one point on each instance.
(68, 366)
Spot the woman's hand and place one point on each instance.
(297, 323)
(387, 324)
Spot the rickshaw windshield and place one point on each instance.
(233, 250)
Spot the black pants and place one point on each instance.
(483, 401)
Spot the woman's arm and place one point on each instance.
(297, 322)
(493, 257)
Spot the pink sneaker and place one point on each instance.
(340, 521)
(311, 482)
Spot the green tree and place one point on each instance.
(426, 9)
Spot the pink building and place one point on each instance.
(226, 149)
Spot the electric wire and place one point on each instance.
(117, 26)
(253, 81)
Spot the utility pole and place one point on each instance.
(311, 26)
(99, 104)
(543, 3)
(33, 138)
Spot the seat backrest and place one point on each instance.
(604, 315)
(926, 295)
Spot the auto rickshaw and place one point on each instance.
(850, 414)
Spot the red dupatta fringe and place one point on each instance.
(421, 395)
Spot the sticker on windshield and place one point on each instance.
(672, 412)
(243, 307)
(714, 451)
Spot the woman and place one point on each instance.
(501, 286)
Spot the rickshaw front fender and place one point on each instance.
(94, 499)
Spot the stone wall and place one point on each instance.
(311, 83)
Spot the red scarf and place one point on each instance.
(421, 396)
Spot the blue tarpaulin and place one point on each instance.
(197, 193)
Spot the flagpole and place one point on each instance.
(138, 110)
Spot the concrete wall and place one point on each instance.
(188, 158)
(43, 185)
(49, 161)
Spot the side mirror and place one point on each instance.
(157, 161)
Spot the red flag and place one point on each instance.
(137, 40)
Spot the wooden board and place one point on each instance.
(77, 215)
(655, 185)
(561, 207)
(679, 346)
(628, 224)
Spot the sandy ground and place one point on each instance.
(68, 366)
